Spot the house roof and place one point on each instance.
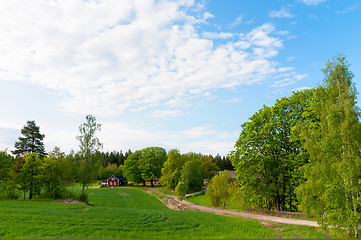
(119, 177)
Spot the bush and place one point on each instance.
(181, 190)
(9, 190)
(83, 197)
(219, 189)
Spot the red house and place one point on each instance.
(115, 181)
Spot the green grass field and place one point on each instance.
(128, 213)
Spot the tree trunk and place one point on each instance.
(31, 190)
(283, 203)
(84, 178)
(277, 202)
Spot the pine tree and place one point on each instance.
(32, 142)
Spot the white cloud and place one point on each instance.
(236, 22)
(312, 2)
(107, 57)
(220, 35)
(284, 12)
(122, 136)
(301, 88)
(287, 79)
(11, 125)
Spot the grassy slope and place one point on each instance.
(121, 213)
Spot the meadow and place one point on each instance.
(130, 213)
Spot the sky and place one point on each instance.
(175, 74)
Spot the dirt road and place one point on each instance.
(243, 214)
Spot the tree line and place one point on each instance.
(31, 170)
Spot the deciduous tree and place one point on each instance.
(29, 175)
(171, 171)
(88, 143)
(267, 158)
(151, 162)
(192, 174)
(332, 189)
(130, 168)
(219, 189)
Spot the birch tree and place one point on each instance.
(88, 143)
(333, 143)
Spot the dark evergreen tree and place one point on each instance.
(32, 142)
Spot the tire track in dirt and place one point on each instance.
(243, 214)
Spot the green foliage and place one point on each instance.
(130, 169)
(171, 171)
(180, 190)
(333, 142)
(8, 187)
(210, 168)
(219, 189)
(28, 177)
(192, 174)
(88, 144)
(83, 197)
(32, 142)
(151, 162)
(145, 165)
(50, 177)
(268, 156)
(109, 170)
(223, 163)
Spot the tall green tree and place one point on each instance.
(151, 162)
(131, 168)
(31, 142)
(192, 174)
(171, 171)
(332, 189)
(28, 177)
(51, 178)
(8, 188)
(145, 165)
(88, 143)
(267, 157)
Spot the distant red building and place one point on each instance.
(115, 181)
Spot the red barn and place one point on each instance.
(115, 181)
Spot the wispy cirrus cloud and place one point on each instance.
(348, 9)
(236, 22)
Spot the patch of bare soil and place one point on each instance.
(69, 201)
(267, 225)
(170, 203)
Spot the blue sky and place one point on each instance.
(175, 74)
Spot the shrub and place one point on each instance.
(181, 190)
(83, 197)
